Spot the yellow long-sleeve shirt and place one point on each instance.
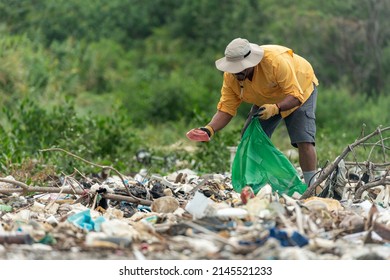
(281, 72)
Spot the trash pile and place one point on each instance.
(186, 216)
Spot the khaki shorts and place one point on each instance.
(301, 124)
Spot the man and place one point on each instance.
(280, 84)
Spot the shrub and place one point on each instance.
(98, 139)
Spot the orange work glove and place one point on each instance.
(268, 110)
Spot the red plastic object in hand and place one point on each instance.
(246, 194)
(198, 135)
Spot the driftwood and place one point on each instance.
(330, 168)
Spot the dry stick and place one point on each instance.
(371, 167)
(66, 180)
(71, 191)
(13, 182)
(82, 175)
(332, 166)
(382, 146)
(382, 181)
(376, 165)
(94, 164)
(94, 201)
(54, 200)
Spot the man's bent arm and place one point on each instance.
(288, 103)
(220, 120)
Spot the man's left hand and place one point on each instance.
(268, 110)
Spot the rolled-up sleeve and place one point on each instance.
(229, 101)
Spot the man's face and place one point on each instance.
(241, 76)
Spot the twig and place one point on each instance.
(332, 166)
(14, 182)
(82, 175)
(66, 180)
(382, 145)
(77, 192)
(93, 164)
(382, 181)
(94, 201)
(376, 165)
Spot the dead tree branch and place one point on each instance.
(104, 167)
(26, 188)
(13, 182)
(382, 145)
(383, 181)
(329, 169)
(376, 165)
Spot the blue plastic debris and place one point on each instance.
(286, 240)
(256, 242)
(84, 220)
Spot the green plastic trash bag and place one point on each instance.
(257, 162)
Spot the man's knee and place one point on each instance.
(306, 146)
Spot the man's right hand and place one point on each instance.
(201, 134)
(267, 111)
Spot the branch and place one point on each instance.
(332, 166)
(375, 165)
(382, 145)
(73, 191)
(16, 183)
(93, 164)
(382, 181)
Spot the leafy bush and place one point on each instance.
(32, 128)
(340, 111)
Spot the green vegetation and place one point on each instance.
(104, 79)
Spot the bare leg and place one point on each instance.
(308, 161)
(307, 156)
